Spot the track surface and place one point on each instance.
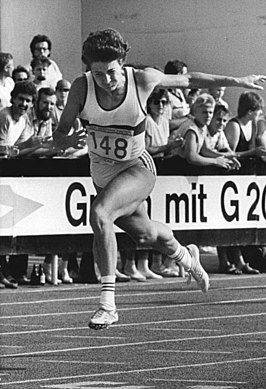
(169, 335)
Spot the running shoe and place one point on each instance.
(196, 271)
(103, 319)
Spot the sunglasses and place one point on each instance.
(221, 120)
(21, 79)
(158, 102)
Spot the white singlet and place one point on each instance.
(116, 137)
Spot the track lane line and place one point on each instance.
(223, 302)
(44, 352)
(138, 324)
(138, 371)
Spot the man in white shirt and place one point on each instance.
(25, 126)
(14, 122)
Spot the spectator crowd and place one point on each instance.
(193, 128)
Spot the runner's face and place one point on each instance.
(108, 75)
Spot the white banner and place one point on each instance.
(59, 206)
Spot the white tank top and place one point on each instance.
(116, 135)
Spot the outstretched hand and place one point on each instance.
(252, 81)
(78, 139)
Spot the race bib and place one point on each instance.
(109, 142)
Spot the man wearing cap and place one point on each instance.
(62, 91)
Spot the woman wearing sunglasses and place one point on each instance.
(157, 131)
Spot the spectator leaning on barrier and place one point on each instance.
(15, 129)
(241, 132)
(194, 132)
(157, 129)
(28, 125)
(41, 115)
(216, 139)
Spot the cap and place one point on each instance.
(62, 85)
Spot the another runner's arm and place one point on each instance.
(150, 78)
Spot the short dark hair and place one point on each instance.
(20, 69)
(220, 108)
(40, 60)
(37, 39)
(45, 91)
(104, 46)
(157, 94)
(25, 87)
(249, 101)
(174, 67)
(4, 59)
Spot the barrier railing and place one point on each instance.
(44, 204)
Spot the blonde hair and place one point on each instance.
(203, 99)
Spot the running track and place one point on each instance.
(169, 336)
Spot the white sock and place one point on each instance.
(182, 256)
(107, 300)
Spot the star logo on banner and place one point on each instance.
(15, 207)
